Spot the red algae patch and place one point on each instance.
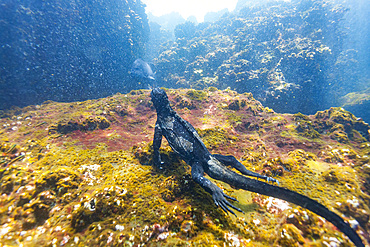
(80, 174)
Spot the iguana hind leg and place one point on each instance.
(233, 162)
(218, 196)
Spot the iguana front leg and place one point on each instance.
(157, 141)
(232, 161)
(197, 173)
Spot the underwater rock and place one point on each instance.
(187, 228)
(237, 104)
(98, 187)
(291, 236)
(184, 102)
(304, 126)
(88, 124)
(114, 32)
(358, 103)
(283, 53)
(342, 125)
(60, 180)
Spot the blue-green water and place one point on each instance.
(298, 56)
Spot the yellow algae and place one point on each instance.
(340, 175)
(290, 235)
(305, 127)
(339, 136)
(234, 119)
(215, 137)
(279, 120)
(183, 102)
(198, 95)
(60, 180)
(290, 126)
(318, 166)
(212, 89)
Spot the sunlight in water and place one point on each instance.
(197, 8)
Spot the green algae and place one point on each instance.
(214, 138)
(356, 98)
(198, 95)
(338, 120)
(304, 126)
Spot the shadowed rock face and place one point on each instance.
(68, 51)
(83, 169)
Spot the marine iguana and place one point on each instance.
(185, 141)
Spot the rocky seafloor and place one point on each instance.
(80, 174)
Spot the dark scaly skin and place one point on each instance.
(185, 141)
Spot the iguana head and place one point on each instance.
(159, 99)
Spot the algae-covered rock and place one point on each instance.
(97, 186)
(342, 124)
(99, 206)
(237, 104)
(304, 126)
(88, 124)
(60, 180)
(291, 236)
(358, 103)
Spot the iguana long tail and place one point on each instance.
(257, 186)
